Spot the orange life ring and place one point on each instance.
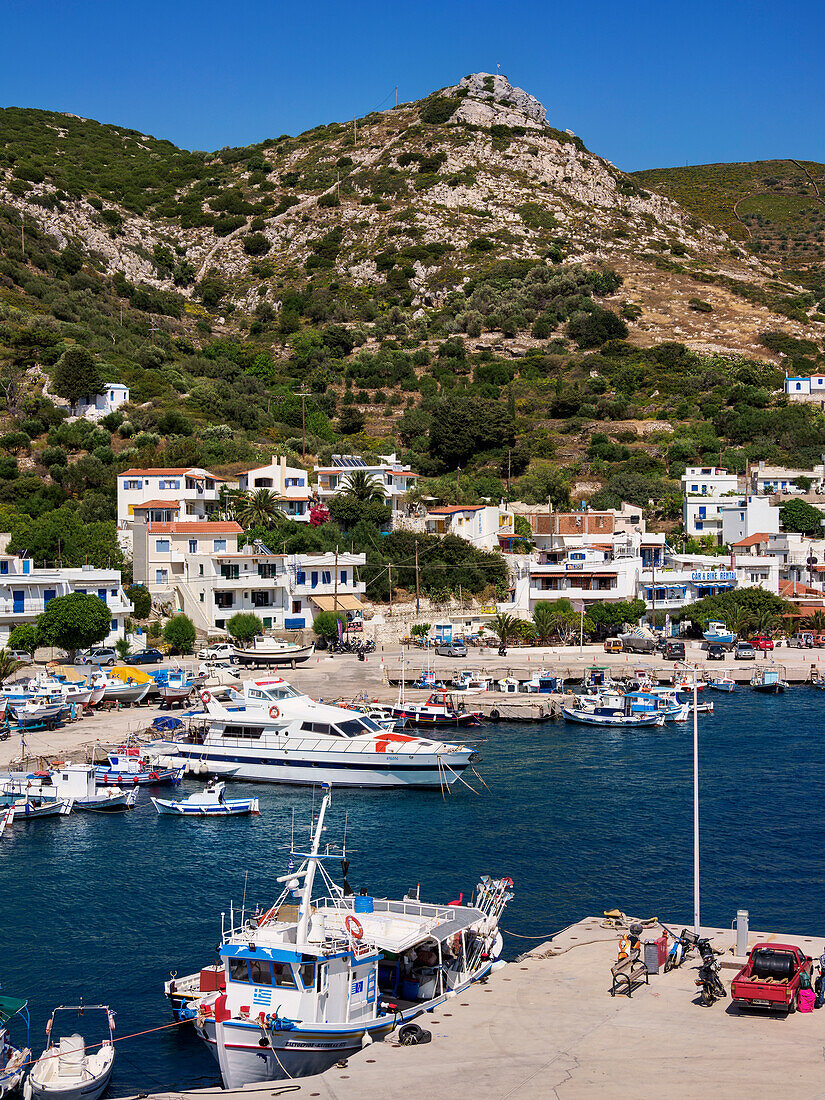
(206, 697)
(274, 712)
(354, 927)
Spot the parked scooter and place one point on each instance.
(676, 955)
(712, 988)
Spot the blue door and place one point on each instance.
(19, 599)
(48, 594)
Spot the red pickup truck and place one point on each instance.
(771, 977)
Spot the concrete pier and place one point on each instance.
(546, 1026)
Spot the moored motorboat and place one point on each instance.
(13, 1060)
(440, 709)
(72, 781)
(210, 802)
(613, 709)
(276, 734)
(722, 683)
(68, 1069)
(319, 975)
(125, 769)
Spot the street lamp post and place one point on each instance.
(696, 922)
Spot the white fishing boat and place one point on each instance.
(270, 653)
(27, 807)
(722, 683)
(72, 781)
(210, 802)
(509, 685)
(6, 815)
(38, 711)
(72, 692)
(611, 709)
(372, 711)
(174, 687)
(321, 974)
(126, 769)
(471, 683)
(276, 734)
(116, 690)
(543, 682)
(68, 1069)
(13, 1060)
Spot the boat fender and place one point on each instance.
(354, 927)
(154, 776)
(206, 697)
(411, 1035)
(274, 712)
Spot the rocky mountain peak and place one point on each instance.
(493, 99)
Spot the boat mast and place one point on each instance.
(309, 877)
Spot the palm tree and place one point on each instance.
(363, 486)
(8, 664)
(544, 620)
(817, 622)
(259, 509)
(506, 627)
(766, 623)
(739, 621)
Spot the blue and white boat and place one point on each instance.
(656, 702)
(716, 633)
(610, 709)
(320, 974)
(126, 769)
(210, 802)
(768, 680)
(174, 685)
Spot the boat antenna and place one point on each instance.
(243, 903)
(292, 834)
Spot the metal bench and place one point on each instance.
(628, 973)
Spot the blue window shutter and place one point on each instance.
(300, 577)
(19, 599)
(101, 594)
(343, 576)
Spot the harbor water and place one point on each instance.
(102, 907)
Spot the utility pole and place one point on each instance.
(335, 582)
(389, 573)
(417, 594)
(396, 95)
(653, 589)
(23, 234)
(696, 920)
(303, 394)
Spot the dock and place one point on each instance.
(546, 1026)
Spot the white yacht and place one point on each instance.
(275, 734)
(313, 979)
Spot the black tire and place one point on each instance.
(793, 1005)
(669, 964)
(413, 1035)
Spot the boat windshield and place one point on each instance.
(270, 694)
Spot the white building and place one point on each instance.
(747, 516)
(687, 578)
(289, 483)
(25, 592)
(394, 479)
(767, 480)
(179, 494)
(485, 526)
(96, 405)
(804, 386)
(198, 568)
(705, 490)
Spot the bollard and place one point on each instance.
(741, 932)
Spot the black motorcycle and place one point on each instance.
(709, 980)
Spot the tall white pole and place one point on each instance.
(695, 807)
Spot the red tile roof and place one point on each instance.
(156, 504)
(789, 589)
(453, 508)
(754, 540)
(207, 527)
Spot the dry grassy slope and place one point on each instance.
(484, 180)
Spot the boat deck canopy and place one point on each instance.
(397, 926)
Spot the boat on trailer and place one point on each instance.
(317, 976)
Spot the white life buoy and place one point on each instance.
(274, 712)
(206, 697)
(354, 927)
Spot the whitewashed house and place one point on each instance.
(93, 406)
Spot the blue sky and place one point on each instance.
(644, 84)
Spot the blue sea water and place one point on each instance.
(103, 907)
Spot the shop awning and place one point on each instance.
(344, 602)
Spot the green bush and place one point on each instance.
(179, 633)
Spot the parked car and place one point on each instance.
(454, 649)
(772, 977)
(763, 642)
(744, 652)
(674, 651)
(220, 651)
(716, 652)
(99, 656)
(146, 657)
(801, 641)
(20, 655)
(614, 645)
